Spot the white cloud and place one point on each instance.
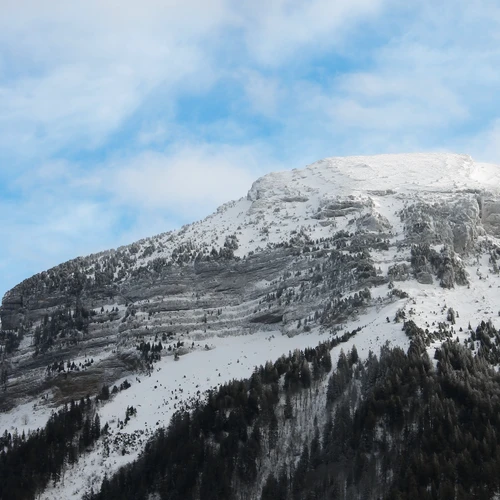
(262, 92)
(429, 83)
(78, 70)
(73, 72)
(283, 29)
(152, 134)
(188, 182)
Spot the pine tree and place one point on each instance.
(96, 428)
(305, 374)
(288, 410)
(273, 431)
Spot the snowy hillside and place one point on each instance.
(358, 244)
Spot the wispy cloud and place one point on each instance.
(278, 31)
(188, 181)
(74, 72)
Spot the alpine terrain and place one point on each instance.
(331, 335)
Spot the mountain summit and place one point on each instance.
(399, 172)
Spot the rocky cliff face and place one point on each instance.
(306, 248)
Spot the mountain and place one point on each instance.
(343, 252)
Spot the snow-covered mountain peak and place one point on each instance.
(353, 175)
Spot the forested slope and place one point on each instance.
(397, 426)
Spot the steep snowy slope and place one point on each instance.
(344, 244)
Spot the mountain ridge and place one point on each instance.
(460, 169)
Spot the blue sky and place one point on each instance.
(120, 120)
